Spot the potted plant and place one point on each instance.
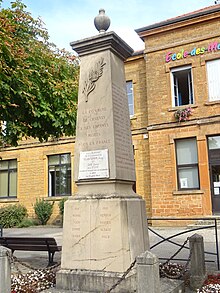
(183, 114)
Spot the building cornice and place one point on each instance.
(32, 143)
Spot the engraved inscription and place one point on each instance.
(105, 222)
(93, 164)
(124, 154)
(76, 224)
(94, 125)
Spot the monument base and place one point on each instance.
(101, 238)
(94, 281)
(103, 234)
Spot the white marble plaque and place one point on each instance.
(93, 164)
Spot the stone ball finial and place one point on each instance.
(102, 21)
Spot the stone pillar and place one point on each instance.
(197, 263)
(105, 224)
(5, 270)
(148, 279)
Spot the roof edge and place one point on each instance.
(177, 19)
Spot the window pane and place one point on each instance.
(65, 159)
(3, 165)
(63, 181)
(131, 110)
(13, 164)
(54, 160)
(129, 87)
(13, 183)
(213, 76)
(186, 151)
(214, 142)
(52, 183)
(188, 177)
(3, 183)
(68, 183)
(57, 182)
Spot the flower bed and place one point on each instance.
(39, 280)
(33, 282)
(211, 284)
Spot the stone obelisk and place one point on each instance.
(105, 225)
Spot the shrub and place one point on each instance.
(27, 222)
(43, 209)
(12, 215)
(61, 206)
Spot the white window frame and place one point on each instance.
(9, 170)
(53, 168)
(213, 79)
(175, 85)
(130, 105)
(187, 165)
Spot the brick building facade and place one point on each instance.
(177, 163)
(182, 61)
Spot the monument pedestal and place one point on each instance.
(101, 239)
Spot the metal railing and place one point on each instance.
(203, 227)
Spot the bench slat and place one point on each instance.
(32, 248)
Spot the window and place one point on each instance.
(8, 178)
(3, 127)
(182, 87)
(214, 142)
(213, 77)
(187, 164)
(129, 87)
(59, 168)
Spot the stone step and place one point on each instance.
(172, 286)
(167, 286)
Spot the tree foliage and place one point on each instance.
(38, 82)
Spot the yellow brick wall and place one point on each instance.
(135, 70)
(162, 127)
(158, 71)
(32, 170)
(166, 199)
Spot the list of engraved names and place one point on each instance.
(124, 154)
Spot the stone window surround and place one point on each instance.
(185, 165)
(9, 198)
(133, 79)
(46, 177)
(172, 139)
(168, 68)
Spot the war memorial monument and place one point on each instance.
(105, 224)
